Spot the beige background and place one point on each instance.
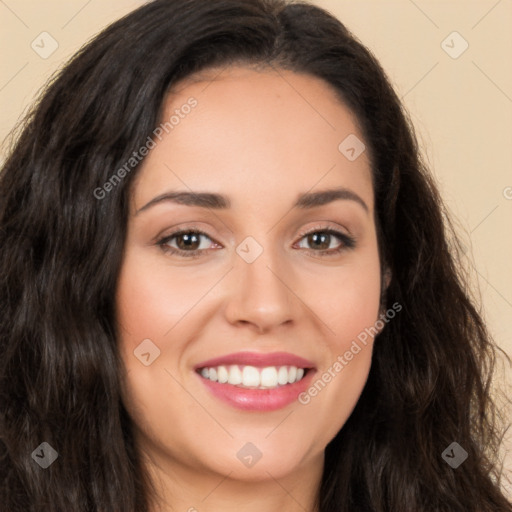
(461, 107)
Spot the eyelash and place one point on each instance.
(347, 242)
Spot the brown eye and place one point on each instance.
(319, 240)
(322, 240)
(188, 241)
(326, 242)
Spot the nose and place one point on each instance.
(262, 294)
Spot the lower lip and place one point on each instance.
(259, 399)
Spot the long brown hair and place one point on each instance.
(61, 250)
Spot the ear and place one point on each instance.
(386, 278)
(385, 281)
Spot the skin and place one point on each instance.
(261, 137)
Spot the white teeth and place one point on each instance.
(282, 376)
(253, 377)
(222, 374)
(235, 375)
(269, 377)
(250, 376)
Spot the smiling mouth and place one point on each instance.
(252, 377)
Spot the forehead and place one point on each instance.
(254, 133)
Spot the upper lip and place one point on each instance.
(257, 359)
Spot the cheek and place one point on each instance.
(347, 299)
(348, 307)
(152, 299)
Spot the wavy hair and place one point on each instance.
(61, 251)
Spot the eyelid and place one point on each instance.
(163, 240)
(182, 228)
(324, 227)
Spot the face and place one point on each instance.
(240, 300)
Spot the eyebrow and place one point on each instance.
(222, 202)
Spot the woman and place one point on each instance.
(226, 284)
